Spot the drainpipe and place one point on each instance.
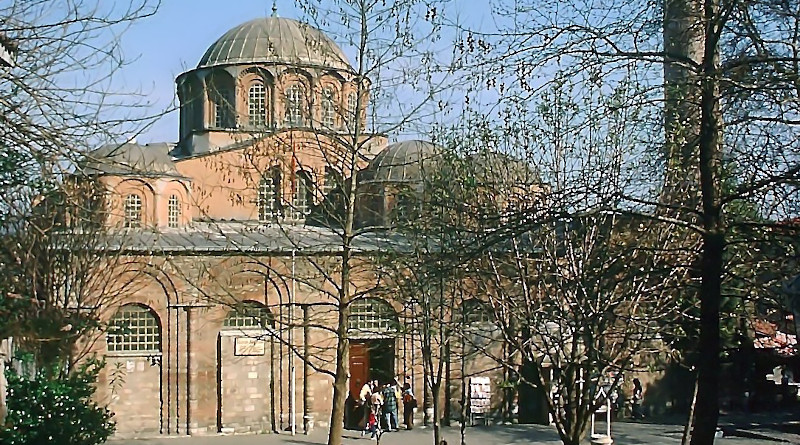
(190, 390)
(292, 376)
(306, 372)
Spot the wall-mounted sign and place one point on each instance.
(249, 346)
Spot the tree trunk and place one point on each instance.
(707, 408)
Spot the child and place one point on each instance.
(372, 424)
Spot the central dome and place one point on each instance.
(275, 40)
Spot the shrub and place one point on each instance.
(56, 409)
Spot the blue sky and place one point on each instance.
(174, 40)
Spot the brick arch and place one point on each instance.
(147, 194)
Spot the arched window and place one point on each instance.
(173, 211)
(249, 315)
(372, 316)
(134, 328)
(476, 311)
(269, 192)
(303, 196)
(257, 104)
(133, 211)
(327, 109)
(224, 116)
(295, 106)
(332, 180)
(352, 108)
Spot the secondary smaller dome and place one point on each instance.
(130, 159)
(402, 162)
(275, 40)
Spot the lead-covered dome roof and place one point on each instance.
(402, 162)
(275, 40)
(130, 159)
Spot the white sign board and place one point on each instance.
(480, 395)
(249, 346)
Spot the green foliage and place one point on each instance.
(56, 409)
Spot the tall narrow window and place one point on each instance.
(257, 104)
(295, 106)
(303, 195)
(332, 180)
(133, 211)
(173, 211)
(269, 195)
(327, 109)
(223, 109)
(352, 108)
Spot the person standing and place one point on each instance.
(390, 406)
(636, 400)
(409, 404)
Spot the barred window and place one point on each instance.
(332, 180)
(134, 328)
(133, 211)
(328, 109)
(303, 195)
(249, 315)
(269, 195)
(223, 109)
(173, 211)
(295, 106)
(257, 104)
(372, 316)
(475, 311)
(352, 108)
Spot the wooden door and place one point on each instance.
(359, 366)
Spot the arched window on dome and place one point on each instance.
(372, 317)
(332, 179)
(134, 328)
(295, 106)
(173, 211)
(133, 211)
(222, 95)
(269, 190)
(303, 196)
(476, 312)
(249, 315)
(257, 104)
(352, 109)
(328, 109)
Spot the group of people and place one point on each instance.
(381, 402)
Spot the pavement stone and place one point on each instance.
(624, 433)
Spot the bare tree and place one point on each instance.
(703, 63)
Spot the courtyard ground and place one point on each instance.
(761, 429)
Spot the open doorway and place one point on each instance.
(371, 359)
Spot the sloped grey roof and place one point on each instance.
(130, 159)
(275, 40)
(222, 237)
(402, 162)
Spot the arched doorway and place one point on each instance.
(372, 329)
(133, 344)
(244, 370)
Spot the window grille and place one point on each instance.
(475, 311)
(352, 108)
(269, 195)
(134, 328)
(257, 104)
(173, 211)
(332, 180)
(302, 197)
(328, 110)
(223, 109)
(249, 315)
(372, 316)
(295, 105)
(133, 211)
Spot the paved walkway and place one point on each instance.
(624, 433)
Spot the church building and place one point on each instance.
(228, 327)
